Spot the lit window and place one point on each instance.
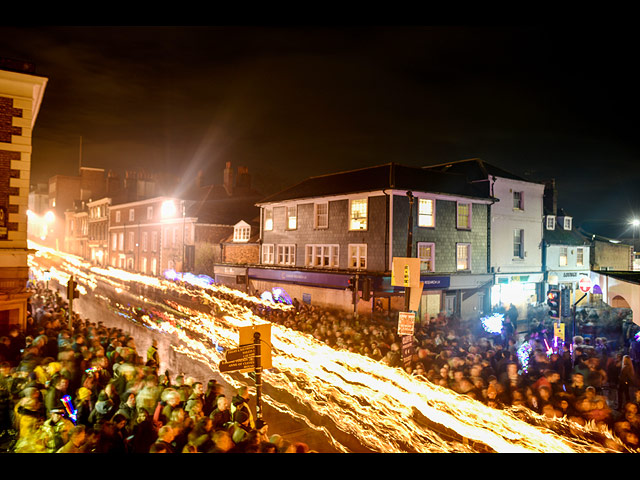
(286, 254)
(292, 217)
(358, 256)
(322, 215)
(463, 258)
(425, 213)
(563, 259)
(241, 232)
(267, 254)
(268, 219)
(580, 257)
(518, 243)
(426, 255)
(358, 214)
(464, 215)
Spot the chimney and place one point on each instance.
(550, 199)
(244, 179)
(228, 179)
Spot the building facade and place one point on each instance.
(322, 233)
(21, 95)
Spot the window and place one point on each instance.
(358, 214)
(241, 232)
(518, 243)
(563, 259)
(463, 257)
(268, 219)
(425, 213)
(114, 241)
(286, 254)
(518, 198)
(322, 256)
(131, 214)
(149, 213)
(358, 256)
(131, 241)
(567, 223)
(464, 215)
(580, 257)
(426, 255)
(292, 217)
(118, 216)
(154, 242)
(267, 254)
(144, 241)
(551, 222)
(321, 215)
(121, 241)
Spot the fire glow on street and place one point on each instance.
(383, 408)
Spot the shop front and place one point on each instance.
(519, 290)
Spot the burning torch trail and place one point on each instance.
(384, 408)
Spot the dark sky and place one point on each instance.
(292, 102)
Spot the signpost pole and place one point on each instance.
(258, 371)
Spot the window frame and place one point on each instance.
(289, 217)
(520, 205)
(468, 256)
(267, 253)
(358, 248)
(315, 255)
(432, 258)
(520, 254)
(353, 219)
(551, 222)
(317, 215)
(285, 254)
(580, 256)
(432, 215)
(563, 254)
(268, 219)
(458, 225)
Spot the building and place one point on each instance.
(318, 235)
(21, 95)
(515, 231)
(566, 254)
(98, 231)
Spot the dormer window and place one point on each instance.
(241, 232)
(551, 222)
(566, 223)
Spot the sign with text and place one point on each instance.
(558, 330)
(406, 323)
(405, 272)
(247, 337)
(241, 358)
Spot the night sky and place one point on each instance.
(291, 102)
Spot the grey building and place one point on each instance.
(324, 232)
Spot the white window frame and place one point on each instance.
(427, 264)
(118, 216)
(321, 219)
(458, 224)
(144, 241)
(566, 223)
(131, 241)
(520, 253)
(292, 220)
(358, 256)
(149, 213)
(114, 241)
(268, 219)
(426, 219)
(563, 257)
(132, 214)
(268, 253)
(121, 241)
(358, 223)
(579, 257)
(322, 256)
(551, 222)
(467, 260)
(520, 203)
(286, 254)
(154, 241)
(241, 233)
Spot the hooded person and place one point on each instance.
(103, 410)
(84, 406)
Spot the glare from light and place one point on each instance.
(168, 209)
(50, 216)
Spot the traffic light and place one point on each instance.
(553, 302)
(352, 284)
(565, 302)
(72, 289)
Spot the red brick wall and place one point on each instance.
(7, 112)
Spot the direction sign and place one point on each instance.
(585, 284)
(241, 358)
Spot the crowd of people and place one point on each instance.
(85, 387)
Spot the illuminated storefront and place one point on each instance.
(521, 290)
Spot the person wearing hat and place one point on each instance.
(56, 429)
(84, 405)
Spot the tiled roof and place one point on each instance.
(560, 236)
(381, 177)
(475, 169)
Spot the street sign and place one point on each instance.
(405, 272)
(406, 323)
(585, 284)
(558, 330)
(246, 337)
(241, 358)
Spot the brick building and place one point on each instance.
(21, 95)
